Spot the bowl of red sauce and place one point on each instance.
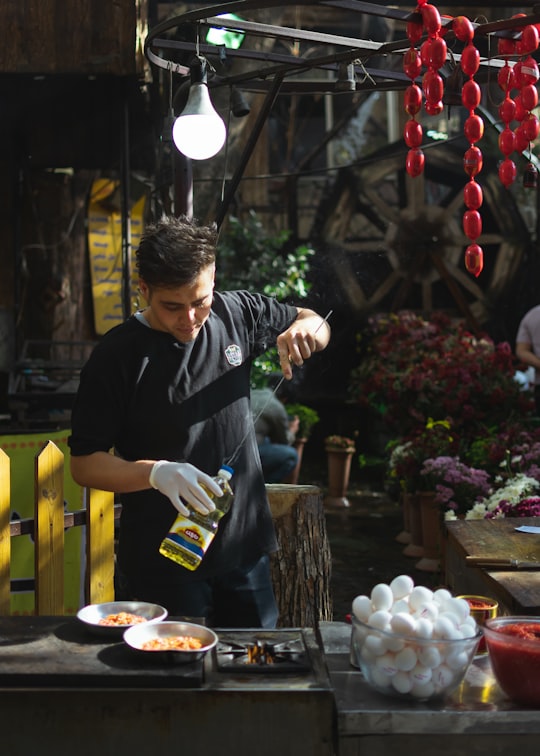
(513, 644)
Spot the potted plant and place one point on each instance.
(339, 451)
(307, 418)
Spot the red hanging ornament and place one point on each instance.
(473, 161)
(474, 259)
(529, 39)
(412, 133)
(414, 164)
(528, 97)
(463, 28)
(473, 128)
(431, 18)
(507, 141)
(413, 99)
(473, 195)
(507, 172)
(472, 224)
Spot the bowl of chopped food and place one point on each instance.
(182, 642)
(513, 644)
(112, 618)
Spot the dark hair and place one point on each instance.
(174, 250)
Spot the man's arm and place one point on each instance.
(109, 473)
(525, 354)
(308, 334)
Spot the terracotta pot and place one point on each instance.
(415, 548)
(430, 515)
(405, 535)
(292, 477)
(339, 470)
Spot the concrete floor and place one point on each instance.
(364, 547)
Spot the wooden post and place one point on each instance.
(5, 534)
(100, 547)
(301, 568)
(49, 530)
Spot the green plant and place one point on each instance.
(307, 418)
(250, 258)
(341, 443)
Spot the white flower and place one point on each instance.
(515, 489)
(477, 512)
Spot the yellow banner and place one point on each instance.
(105, 249)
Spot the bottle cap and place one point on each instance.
(226, 471)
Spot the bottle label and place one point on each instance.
(190, 537)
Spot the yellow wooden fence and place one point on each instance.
(48, 526)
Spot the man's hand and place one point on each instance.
(180, 479)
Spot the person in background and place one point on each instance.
(163, 402)
(275, 432)
(528, 347)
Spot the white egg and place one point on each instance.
(459, 607)
(380, 619)
(382, 597)
(406, 659)
(429, 656)
(401, 586)
(401, 606)
(441, 596)
(387, 664)
(424, 628)
(429, 611)
(374, 644)
(442, 677)
(376, 677)
(444, 628)
(402, 682)
(421, 674)
(420, 595)
(366, 655)
(468, 631)
(361, 608)
(423, 691)
(469, 622)
(403, 624)
(457, 660)
(393, 642)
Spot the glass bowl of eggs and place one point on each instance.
(411, 642)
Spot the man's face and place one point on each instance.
(180, 311)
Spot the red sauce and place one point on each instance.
(517, 669)
(475, 604)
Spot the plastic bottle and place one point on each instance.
(189, 537)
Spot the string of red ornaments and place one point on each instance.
(522, 76)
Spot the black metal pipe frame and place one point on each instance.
(271, 77)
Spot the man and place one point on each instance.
(528, 347)
(275, 432)
(168, 391)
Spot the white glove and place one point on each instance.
(180, 479)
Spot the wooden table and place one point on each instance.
(518, 591)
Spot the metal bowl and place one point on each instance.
(91, 615)
(138, 635)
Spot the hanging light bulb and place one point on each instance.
(199, 132)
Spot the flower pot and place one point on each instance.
(292, 477)
(430, 516)
(339, 470)
(415, 548)
(404, 536)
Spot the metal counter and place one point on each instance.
(476, 719)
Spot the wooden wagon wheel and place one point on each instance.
(394, 241)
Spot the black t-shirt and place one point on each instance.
(147, 396)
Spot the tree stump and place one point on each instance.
(301, 568)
